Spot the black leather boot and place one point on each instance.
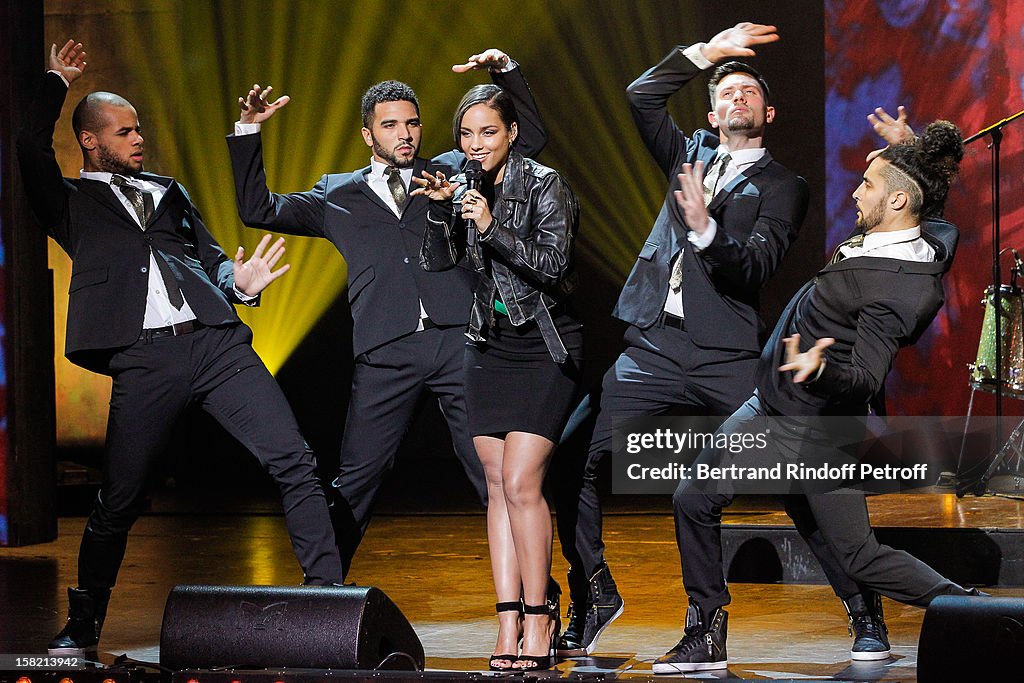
(86, 611)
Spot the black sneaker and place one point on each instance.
(588, 623)
(867, 626)
(701, 648)
(570, 643)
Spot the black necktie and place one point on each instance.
(142, 202)
(397, 187)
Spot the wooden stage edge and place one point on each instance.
(436, 570)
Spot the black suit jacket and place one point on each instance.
(382, 250)
(758, 214)
(872, 307)
(109, 251)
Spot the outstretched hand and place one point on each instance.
(254, 275)
(690, 197)
(69, 61)
(492, 59)
(893, 130)
(737, 41)
(434, 187)
(256, 106)
(804, 364)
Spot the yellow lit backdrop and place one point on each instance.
(184, 64)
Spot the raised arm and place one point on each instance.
(649, 94)
(648, 102)
(298, 213)
(505, 72)
(45, 186)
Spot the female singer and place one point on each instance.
(522, 363)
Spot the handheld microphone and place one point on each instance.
(474, 176)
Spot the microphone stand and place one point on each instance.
(995, 131)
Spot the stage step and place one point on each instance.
(759, 553)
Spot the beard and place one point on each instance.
(109, 162)
(389, 155)
(741, 122)
(872, 219)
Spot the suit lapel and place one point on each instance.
(364, 187)
(104, 195)
(747, 174)
(172, 193)
(705, 154)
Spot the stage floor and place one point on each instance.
(435, 568)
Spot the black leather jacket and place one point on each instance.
(525, 257)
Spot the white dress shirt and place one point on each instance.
(905, 245)
(378, 182)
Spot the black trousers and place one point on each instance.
(661, 370)
(386, 388)
(154, 381)
(836, 526)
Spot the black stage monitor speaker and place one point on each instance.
(315, 627)
(971, 639)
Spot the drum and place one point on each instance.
(1011, 344)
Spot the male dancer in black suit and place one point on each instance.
(408, 324)
(691, 300)
(150, 305)
(879, 293)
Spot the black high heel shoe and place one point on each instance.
(516, 606)
(551, 609)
